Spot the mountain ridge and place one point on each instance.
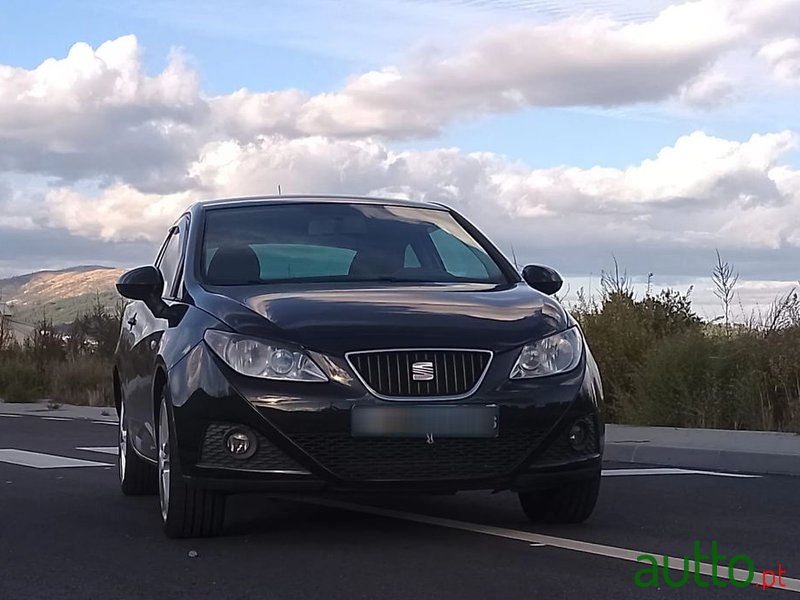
(59, 294)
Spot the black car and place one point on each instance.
(323, 344)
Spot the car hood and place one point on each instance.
(342, 319)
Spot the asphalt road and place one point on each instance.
(67, 532)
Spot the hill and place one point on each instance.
(60, 295)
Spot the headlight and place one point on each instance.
(263, 359)
(557, 353)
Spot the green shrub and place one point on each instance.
(622, 330)
(85, 380)
(695, 380)
(73, 369)
(21, 380)
(778, 368)
(661, 365)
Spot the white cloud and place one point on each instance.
(97, 114)
(708, 90)
(117, 153)
(701, 192)
(119, 213)
(783, 57)
(589, 60)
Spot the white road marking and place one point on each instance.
(114, 423)
(674, 563)
(105, 449)
(669, 471)
(55, 419)
(10, 416)
(38, 460)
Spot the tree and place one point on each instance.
(97, 329)
(724, 286)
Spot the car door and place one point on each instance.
(145, 331)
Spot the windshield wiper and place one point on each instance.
(390, 279)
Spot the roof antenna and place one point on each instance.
(279, 189)
(514, 256)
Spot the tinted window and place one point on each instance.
(170, 261)
(459, 258)
(340, 242)
(410, 259)
(286, 261)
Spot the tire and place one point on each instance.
(570, 503)
(137, 476)
(186, 511)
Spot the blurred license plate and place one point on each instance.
(423, 421)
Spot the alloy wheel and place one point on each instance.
(163, 461)
(123, 443)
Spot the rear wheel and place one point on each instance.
(137, 477)
(571, 503)
(186, 511)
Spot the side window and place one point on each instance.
(170, 261)
(457, 257)
(410, 260)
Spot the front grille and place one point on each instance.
(440, 373)
(386, 459)
(267, 457)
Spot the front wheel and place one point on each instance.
(186, 511)
(137, 477)
(571, 503)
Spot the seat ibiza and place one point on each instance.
(326, 344)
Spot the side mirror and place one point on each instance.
(145, 284)
(142, 283)
(544, 279)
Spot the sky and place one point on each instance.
(575, 132)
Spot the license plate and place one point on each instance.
(424, 421)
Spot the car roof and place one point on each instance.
(311, 199)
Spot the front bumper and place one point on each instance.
(304, 441)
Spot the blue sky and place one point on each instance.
(307, 44)
(630, 120)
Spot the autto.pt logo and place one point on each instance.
(738, 571)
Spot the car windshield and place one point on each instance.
(318, 242)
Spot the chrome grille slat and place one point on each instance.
(472, 365)
(437, 379)
(387, 368)
(409, 361)
(457, 373)
(399, 377)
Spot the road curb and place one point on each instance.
(66, 411)
(718, 460)
(736, 451)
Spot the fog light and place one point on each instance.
(240, 443)
(578, 436)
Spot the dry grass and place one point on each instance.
(73, 371)
(84, 380)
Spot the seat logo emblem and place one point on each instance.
(422, 371)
